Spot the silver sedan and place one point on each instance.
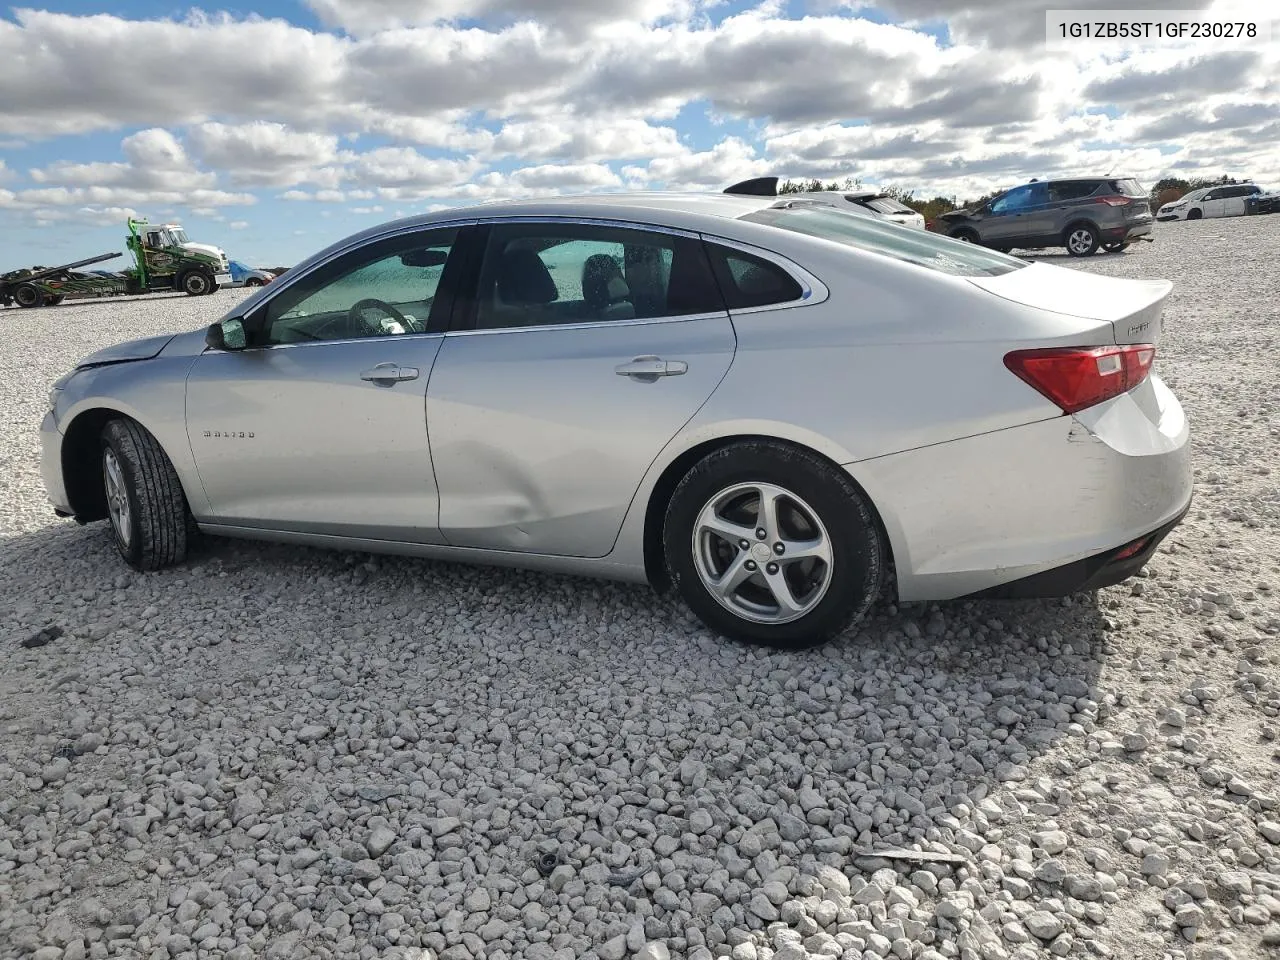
(782, 410)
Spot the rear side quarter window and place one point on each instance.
(747, 280)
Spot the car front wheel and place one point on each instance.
(769, 544)
(145, 502)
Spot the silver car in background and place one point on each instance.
(782, 409)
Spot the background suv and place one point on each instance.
(1228, 200)
(1081, 214)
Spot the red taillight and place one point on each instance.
(1113, 201)
(1076, 378)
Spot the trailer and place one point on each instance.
(163, 260)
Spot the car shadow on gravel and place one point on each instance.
(874, 735)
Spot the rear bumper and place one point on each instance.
(1061, 498)
(1104, 569)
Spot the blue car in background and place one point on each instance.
(242, 276)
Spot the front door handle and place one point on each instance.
(649, 368)
(389, 373)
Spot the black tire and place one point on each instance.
(1081, 240)
(253, 282)
(1116, 247)
(29, 295)
(858, 555)
(963, 233)
(196, 283)
(157, 517)
(1195, 214)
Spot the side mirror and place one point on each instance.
(226, 335)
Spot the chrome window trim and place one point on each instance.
(387, 338)
(592, 324)
(813, 290)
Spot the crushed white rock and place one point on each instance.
(274, 752)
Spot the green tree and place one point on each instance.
(811, 186)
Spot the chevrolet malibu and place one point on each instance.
(781, 409)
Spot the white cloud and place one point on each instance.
(550, 96)
(371, 16)
(266, 154)
(239, 224)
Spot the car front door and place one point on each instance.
(1014, 216)
(585, 348)
(319, 424)
(1213, 204)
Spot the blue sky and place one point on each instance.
(278, 129)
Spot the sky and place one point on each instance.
(275, 130)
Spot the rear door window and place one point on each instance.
(1068, 190)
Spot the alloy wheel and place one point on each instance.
(762, 552)
(117, 497)
(1080, 241)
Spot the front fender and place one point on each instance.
(152, 392)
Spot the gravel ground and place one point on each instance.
(278, 752)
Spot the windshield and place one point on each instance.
(952, 257)
(177, 236)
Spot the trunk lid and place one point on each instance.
(1133, 308)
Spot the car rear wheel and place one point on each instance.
(145, 502)
(769, 544)
(1082, 240)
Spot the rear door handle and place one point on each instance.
(389, 373)
(650, 368)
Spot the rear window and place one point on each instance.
(883, 204)
(1130, 188)
(952, 257)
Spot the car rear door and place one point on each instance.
(584, 349)
(319, 425)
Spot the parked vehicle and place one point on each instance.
(1268, 202)
(1227, 200)
(163, 259)
(869, 202)
(243, 276)
(778, 407)
(1082, 214)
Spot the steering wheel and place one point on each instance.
(356, 326)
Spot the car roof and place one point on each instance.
(690, 211)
